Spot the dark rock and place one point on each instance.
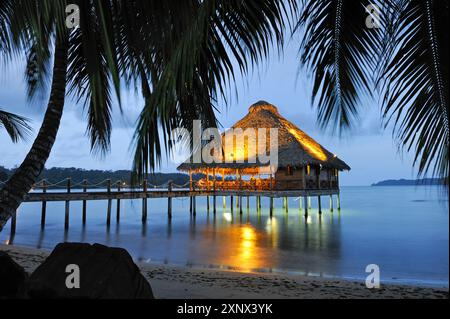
(104, 272)
(13, 278)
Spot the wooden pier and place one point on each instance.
(67, 192)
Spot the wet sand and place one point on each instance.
(190, 283)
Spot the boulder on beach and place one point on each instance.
(75, 270)
(13, 278)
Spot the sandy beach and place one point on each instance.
(189, 283)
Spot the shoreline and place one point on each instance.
(178, 282)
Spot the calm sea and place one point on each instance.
(404, 230)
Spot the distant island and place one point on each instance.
(411, 182)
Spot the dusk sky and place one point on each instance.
(368, 149)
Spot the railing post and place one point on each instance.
(144, 201)
(44, 205)
(119, 184)
(169, 200)
(108, 213)
(85, 184)
(67, 210)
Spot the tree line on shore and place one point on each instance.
(77, 175)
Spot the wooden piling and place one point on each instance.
(331, 203)
(13, 223)
(231, 202)
(319, 203)
(300, 206)
(190, 205)
(207, 203)
(67, 208)
(108, 212)
(240, 205)
(194, 204)
(224, 200)
(271, 206)
(338, 198)
(306, 206)
(169, 201)
(214, 203)
(286, 204)
(118, 203)
(85, 183)
(144, 202)
(309, 202)
(44, 205)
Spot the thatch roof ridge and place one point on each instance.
(295, 147)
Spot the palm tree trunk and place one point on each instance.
(20, 183)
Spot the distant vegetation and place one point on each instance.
(410, 182)
(54, 175)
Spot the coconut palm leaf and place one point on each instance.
(415, 83)
(340, 52)
(16, 126)
(196, 68)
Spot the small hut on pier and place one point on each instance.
(302, 164)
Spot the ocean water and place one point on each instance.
(404, 230)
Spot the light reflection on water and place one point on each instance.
(407, 238)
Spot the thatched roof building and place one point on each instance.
(295, 148)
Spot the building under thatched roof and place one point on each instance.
(301, 162)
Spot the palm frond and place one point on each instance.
(339, 50)
(416, 84)
(195, 67)
(16, 126)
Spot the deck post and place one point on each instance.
(84, 202)
(306, 205)
(44, 205)
(319, 202)
(169, 201)
(118, 202)
(13, 223)
(144, 201)
(108, 213)
(331, 203)
(67, 210)
(338, 198)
